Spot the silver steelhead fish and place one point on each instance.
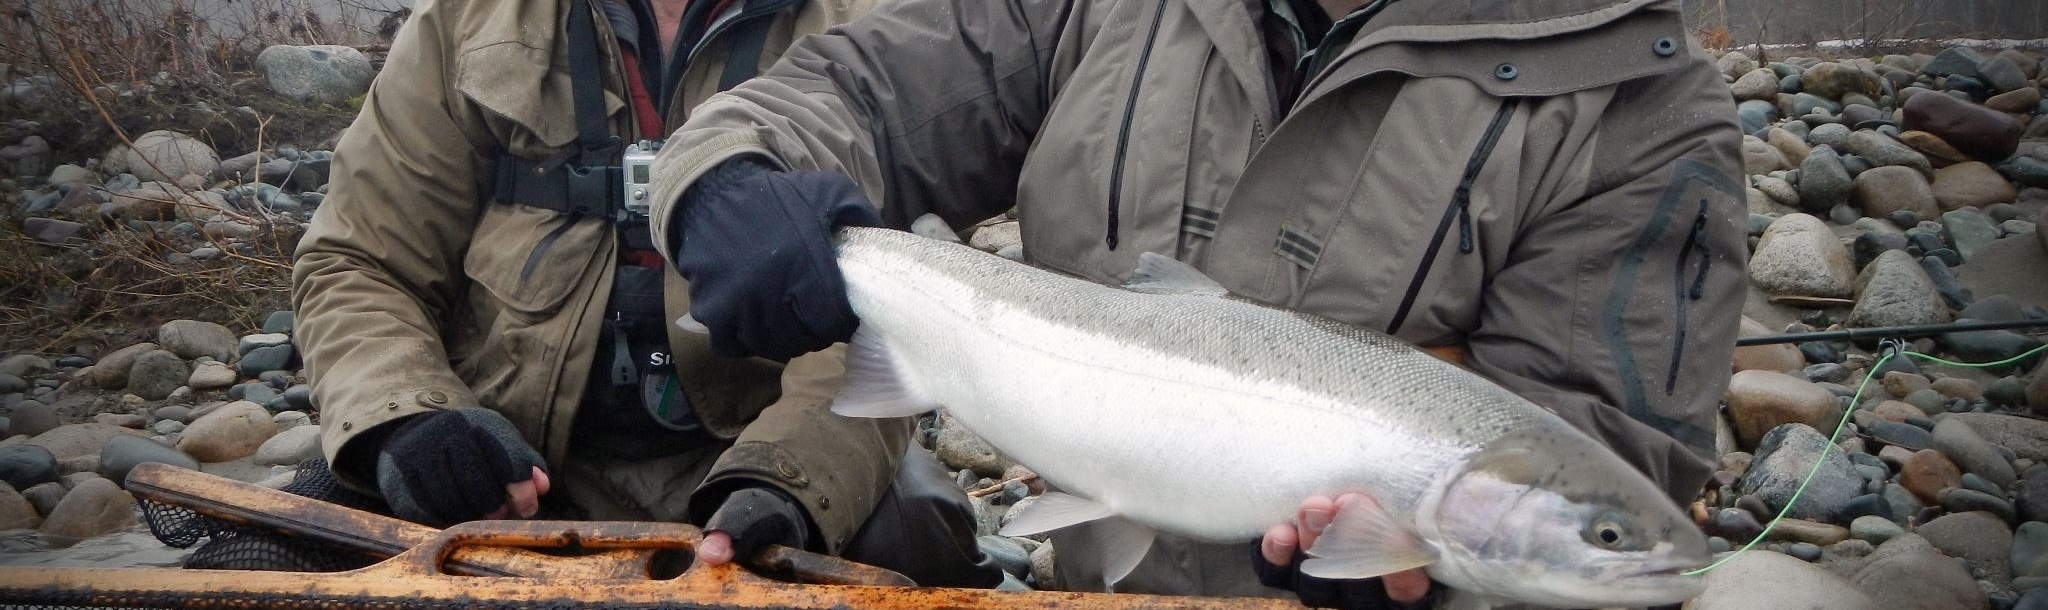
(1166, 406)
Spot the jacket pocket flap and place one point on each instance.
(531, 259)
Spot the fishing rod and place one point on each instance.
(1888, 332)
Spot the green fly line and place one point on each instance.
(1853, 402)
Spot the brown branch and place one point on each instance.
(997, 487)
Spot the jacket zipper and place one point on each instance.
(1123, 136)
(1459, 210)
(1695, 247)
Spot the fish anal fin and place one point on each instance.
(1158, 274)
(1053, 510)
(1364, 541)
(874, 387)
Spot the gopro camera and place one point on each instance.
(637, 169)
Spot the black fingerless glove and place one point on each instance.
(756, 244)
(446, 467)
(1341, 593)
(759, 516)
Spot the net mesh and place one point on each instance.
(232, 546)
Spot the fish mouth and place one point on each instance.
(1663, 570)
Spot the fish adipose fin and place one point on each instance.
(1364, 541)
(872, 388)
(1053, 510)
(1158, 274)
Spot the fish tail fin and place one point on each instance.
(874, 386)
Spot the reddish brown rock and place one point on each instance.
(1927, 473)
(1938, 152)
(1977, 131)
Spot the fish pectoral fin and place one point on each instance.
(690, 324)
(1124, 544)
(1158, 274)
(1365, 541)
(1053, 510)
(873, 387)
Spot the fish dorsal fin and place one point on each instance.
(930, 226)
(1159, 274)
(873, 386)
(1365, 541)
(1053, 510)
(1124, 545)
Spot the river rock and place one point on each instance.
(166, 156)
(194, 338)
(1902, 384)
(1977, 131)
(2002, 74)
(1883, 151)
(2017, 101)
(2037, 391)
(1800, 256)
(1832, 135)
(211, 376)
(78, 440)
(1953, 60)
(250, 343)
(264, 359)
(1972, 454)
(2026, 437)
(1938, 152)
(95, 506)
(1874, 528)
(1928, 472)
(123, 453)
(24, 466)
(156, 374)
(1823, 182)
(1784, 458)
(1777, 357)
(290, 447)
(111, 373)
(1833, 80)
(1811, 532)
(1759, 157)
(1758, 84)
(2030, 550)
(1901, 435)
(960, 448)
(15, 510)
(328, 74)
(1771, 580)
(1761, 401)
(231, 432)
(33, 417)
(1988, 345)
(1894, 291)
(1793, 147)
(279, 322)
(1958, 387)
(1908, 572)
(1970, 184)
(1734, 64)
(1883, 191)
(1980, 538)
(1969, 230)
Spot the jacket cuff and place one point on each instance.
(758, 463)
(342, 425)
(681, 166)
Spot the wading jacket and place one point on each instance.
(1549, 183)
(416, 291)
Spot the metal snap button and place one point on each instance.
(1664, 47)
(1506, 72)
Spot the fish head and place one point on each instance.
(1551, 516)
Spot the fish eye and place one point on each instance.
(1608, 532)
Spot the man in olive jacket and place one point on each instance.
(485, 343)
(1545, 190)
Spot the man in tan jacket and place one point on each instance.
(1544, 188)
(488, 329)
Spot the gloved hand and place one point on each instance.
(752, 518)
(756, 244)
(446, 467)
(1277, 560)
